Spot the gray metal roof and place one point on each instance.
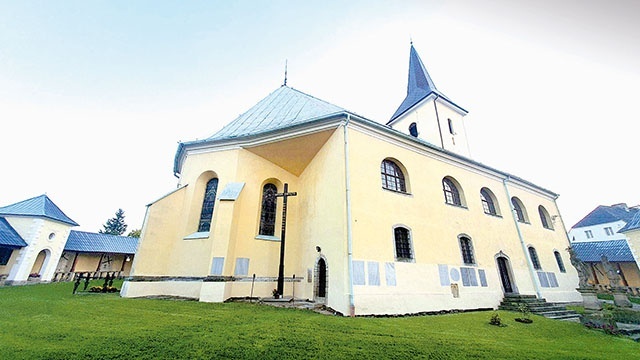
(419, 86)
(592, 251)
(39, 206)
(282, 108)
(8, 235)
(100, 243)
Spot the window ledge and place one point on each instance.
(457, 206)
(404, 260)
(197, 235)
(398, 192)
(494, 215)
(267, 237)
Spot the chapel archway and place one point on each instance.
(506, 274)
(321, 280)
(39, 265)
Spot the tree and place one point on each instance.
(134, 233)
(116, 225)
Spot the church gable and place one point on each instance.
(39, 206)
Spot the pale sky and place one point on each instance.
(95, 95)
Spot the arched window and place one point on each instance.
(451, 192)
(413, 129)
(467, 250)
(519, 210)
(488, 203)
(559, 261)
(545, 218)
(392, 176)
(268, 213)
(403, 244)
(207, 205)
(451, 130)
(533, 254)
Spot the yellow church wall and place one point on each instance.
(434, 228)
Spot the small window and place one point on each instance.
(589, 234)
(268, 212)
(207, 205)
(451, 130)
(451, 192)
(534, 258)
(518, 209)
(413, 130)
(392, 176)
(608, 230)
(488, 205)
(467, 250)
(403, 244)
(559, 261)
(545, 218)
(5, 255)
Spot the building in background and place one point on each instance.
(37, 244)
(604, 232)
(388, 218)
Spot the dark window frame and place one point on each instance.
(466, 250)
(560, 262)
(535, 261)
(5, 255)
(403, 246)
(488, 204)
(208, 202)
(392, 176)
(545, 218)
(413, 129)
(451, 192)
(519, 210)
(268, 210)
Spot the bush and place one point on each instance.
(495, 320)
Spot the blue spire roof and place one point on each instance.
(633, 224)
(606, 214)
(419, 86)
(8, 235)
(39, 206)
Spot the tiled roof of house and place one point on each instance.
(8, 235)
(39, 206)
(606, 214)
(419, 86)
(633, 224)
(592, 251)
(100, 243)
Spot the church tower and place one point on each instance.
(426, 113)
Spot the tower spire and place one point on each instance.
(285, 72)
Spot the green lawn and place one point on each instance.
(48, 322)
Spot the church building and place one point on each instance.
(391, 218)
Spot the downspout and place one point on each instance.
(566, 235)
(435, 107)
(352, 306)
(524, 247)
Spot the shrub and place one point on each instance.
(495, 319)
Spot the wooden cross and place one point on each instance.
(284, 195)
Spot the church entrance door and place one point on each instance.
(321, 289)
(503, 269)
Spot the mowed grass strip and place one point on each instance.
(48, 322)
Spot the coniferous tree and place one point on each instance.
(115, 225)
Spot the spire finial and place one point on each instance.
(285, 71)
(410, 40)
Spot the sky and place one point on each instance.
(96, 95)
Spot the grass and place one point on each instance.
(48, 322)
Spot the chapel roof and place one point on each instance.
(82, 241)
(419, 86)
(592, 251)
(282, 108)
(39, 206)
(9, 237)
(607, 214)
